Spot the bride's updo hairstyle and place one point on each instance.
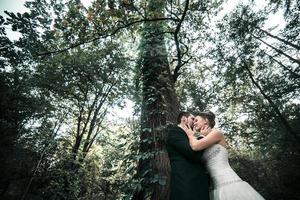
(210, 116)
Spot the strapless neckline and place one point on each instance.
(221, 146)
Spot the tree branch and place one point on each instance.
(280, 39)
(282, 65)
(277, 50)
(273, 105)
(104, 35)
(179, 56)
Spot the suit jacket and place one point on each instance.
(189, 180)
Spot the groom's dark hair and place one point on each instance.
(182, 114)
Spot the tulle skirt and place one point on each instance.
(240, 190)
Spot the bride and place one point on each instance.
(227, 185)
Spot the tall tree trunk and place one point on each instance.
(159, 107)
(277, 50)
(280, 39)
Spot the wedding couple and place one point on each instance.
(191, 158)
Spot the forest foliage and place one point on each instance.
(73, 65)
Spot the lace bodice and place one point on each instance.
(216, 160)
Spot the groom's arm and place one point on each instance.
(181, 145)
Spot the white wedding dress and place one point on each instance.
(227, 185)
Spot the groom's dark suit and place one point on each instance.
(189, 180)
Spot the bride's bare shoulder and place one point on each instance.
(217, 131)
(221, 137)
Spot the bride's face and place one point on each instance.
(200, 122)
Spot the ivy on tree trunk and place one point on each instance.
(159, 107)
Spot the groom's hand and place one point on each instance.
(205, 130)
(188, 130)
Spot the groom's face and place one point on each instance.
(190, 120)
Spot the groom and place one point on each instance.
(189, 181)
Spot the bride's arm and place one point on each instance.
(213, 137)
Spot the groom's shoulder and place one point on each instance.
(172, 127)
(174, 130)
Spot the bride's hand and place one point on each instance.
(188, 130)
